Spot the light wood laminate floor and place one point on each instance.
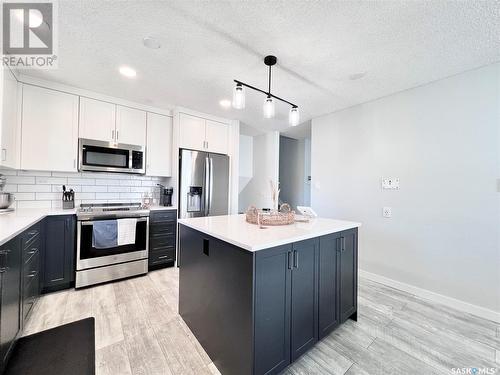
(138, 331)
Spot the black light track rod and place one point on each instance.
(264, 92)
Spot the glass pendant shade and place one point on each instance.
(238, 97)
(268, 107)
(293, 116)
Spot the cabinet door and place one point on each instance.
(348, 274)
(217, 137)
(159, 145)
(130, 126)
(328, 317)
(9, 156)
(191, 132)
(97, 120)
(304, 322)
(10, 323)
(273, 281)
(49, 130)
(59, 252)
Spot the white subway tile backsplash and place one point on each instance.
(94, 189)
(35, 189)
(48, 196)
(34, 173)
(107, 195)
(25, 196)
(34, 204)
(107, 182)
(20, 180)
(81, 181)
(10, 188)
(51, 180)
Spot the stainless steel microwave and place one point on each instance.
(110, 157)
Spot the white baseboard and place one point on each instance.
(434, 297)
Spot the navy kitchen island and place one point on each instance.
(257, 299)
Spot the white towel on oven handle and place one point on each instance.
(126, 231)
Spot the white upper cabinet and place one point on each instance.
(9, 120)
(97, 120)
(159, 145)
(49, 130)
(201, 134)
(217, 137)
(191, 132)
(130, 126)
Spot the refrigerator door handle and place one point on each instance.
(207, 186)
(211, 185)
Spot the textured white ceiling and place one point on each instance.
(319, 44)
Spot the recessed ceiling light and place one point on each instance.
(225, 103)
(151, 42)
(128, 71)
(356, 76)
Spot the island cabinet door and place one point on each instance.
(328, 312)
(348, 274)
(304, 307)
(273, 269)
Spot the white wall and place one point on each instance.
(442, 140)
(246, 161)
(265, 168)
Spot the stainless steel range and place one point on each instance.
(112, 242)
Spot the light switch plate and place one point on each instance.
(387, 212)
(390, 183)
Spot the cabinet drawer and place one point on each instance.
(30, 295)
(32, 248)
(161, 242)
(31, 235)
(162, 230)
(163, 216)
(32, 268)
(161, 256)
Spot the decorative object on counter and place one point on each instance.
(6, 199)
(165, 195)
(275, 193)
(285, 216)
(68, 198)
(146, 201)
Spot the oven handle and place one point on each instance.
(92, 222)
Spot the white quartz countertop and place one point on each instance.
(235, 230)
(15, 222)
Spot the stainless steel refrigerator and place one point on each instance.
(204, 184)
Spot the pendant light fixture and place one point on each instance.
(269, 103)
(239, 97)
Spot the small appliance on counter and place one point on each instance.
(6, 199)
(68, 198)
(165, 195)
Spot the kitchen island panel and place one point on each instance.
(216, 299)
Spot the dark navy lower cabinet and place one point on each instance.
(162, 238)
(10, 304)
(58, 260)
(348, 274)
(257, 312)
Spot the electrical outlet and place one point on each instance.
(387, 212)
(389, 183)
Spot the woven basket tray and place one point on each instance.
(255, 216)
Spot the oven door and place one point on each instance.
(90, 257)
